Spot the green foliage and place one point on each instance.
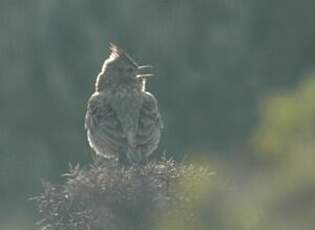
(288, 120)
(284, 141)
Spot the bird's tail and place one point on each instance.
(134, 155)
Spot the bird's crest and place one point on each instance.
(118, 53)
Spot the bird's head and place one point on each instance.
(119, 68)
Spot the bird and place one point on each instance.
(122, 120)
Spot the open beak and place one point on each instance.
(144, 72)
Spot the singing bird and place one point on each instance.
(122, 119)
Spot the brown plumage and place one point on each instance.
(122, 119)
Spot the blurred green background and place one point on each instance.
(235, 83)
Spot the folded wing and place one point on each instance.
(104, 130)
(150, 125)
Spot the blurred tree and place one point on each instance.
(284, 140)
(287, 121)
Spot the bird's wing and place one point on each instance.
(150, 125)
(104, 129)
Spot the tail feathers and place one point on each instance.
(134, 155)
